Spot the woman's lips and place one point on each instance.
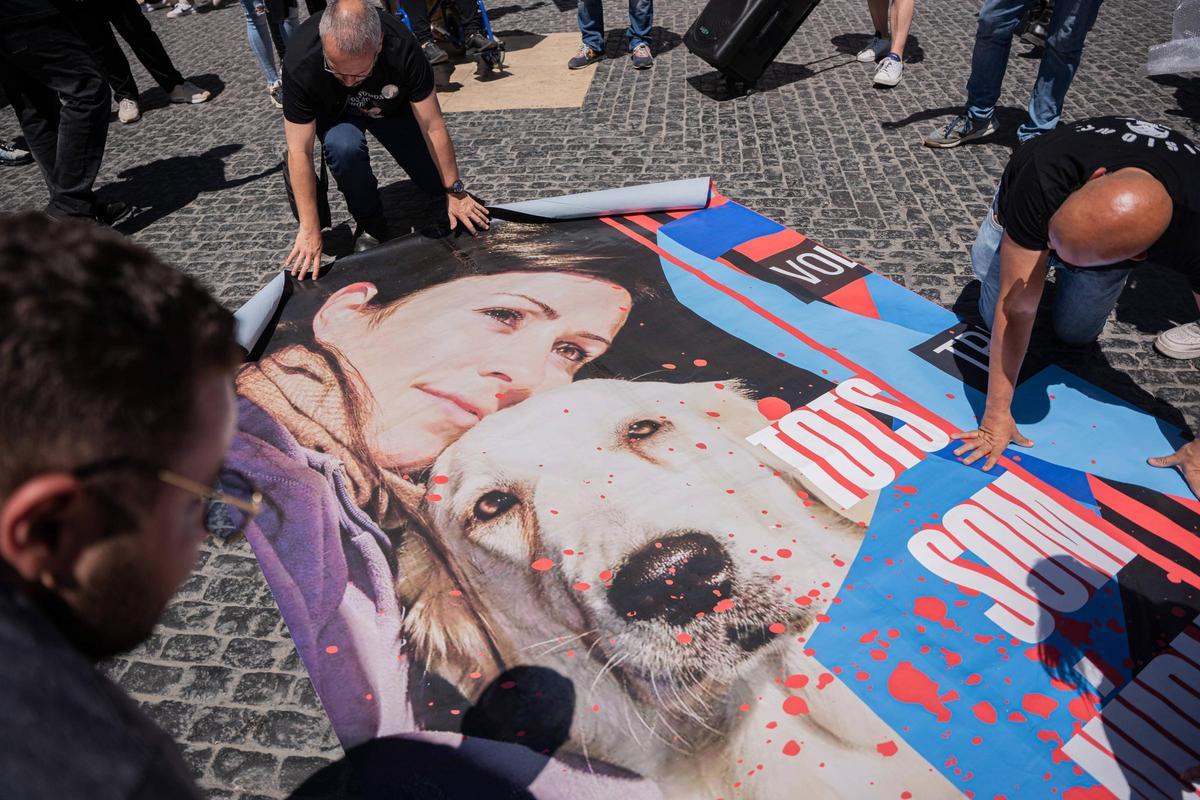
(459, 408)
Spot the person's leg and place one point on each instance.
(1069, 26)
(993, 39)
(135, 29)
(418, 19)
(345, 146)
(1084, 297)
(314, 6)
(52, 56)
(259, 38)
(985, 263)
(288, 26)
(641, 17)
(91, 23)
(900, 20)
(401, 137)
(37, 109)
(470, 16)
(879, 17)
(591, 23)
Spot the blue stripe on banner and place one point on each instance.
(714, 231)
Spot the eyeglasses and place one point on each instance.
(229, 508)
(357, 78)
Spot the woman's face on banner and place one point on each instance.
(445, 357)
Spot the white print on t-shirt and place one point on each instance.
(368, 103)
(1150, 133)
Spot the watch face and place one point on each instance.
(457, 187)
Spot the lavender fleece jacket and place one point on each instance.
(329, 567)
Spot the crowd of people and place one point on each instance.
(116, 370)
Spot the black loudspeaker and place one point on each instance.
(740, 38)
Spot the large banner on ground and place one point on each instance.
(666, 504)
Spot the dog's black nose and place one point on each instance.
(672, 579)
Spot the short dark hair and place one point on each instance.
(102, 346)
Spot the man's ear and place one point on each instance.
(42, 530)
(1100, 172)
(1142, 256)
(342, 311)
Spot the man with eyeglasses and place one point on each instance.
(352, 69)
(116, 411)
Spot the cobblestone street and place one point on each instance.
(817, 147)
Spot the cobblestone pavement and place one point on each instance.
(817, 148)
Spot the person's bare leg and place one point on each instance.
(879, 16)
(901, 20)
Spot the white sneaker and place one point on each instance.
(128, 111)
(877, 49)
(275, 90)
(1180, 342)
(888, 72)
(180, 10)
(188, 92)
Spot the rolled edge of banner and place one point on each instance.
(681, 195)
(255, 314)
(1179, 55)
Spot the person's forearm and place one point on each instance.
(1010, 340)
(304, 188)
(437, 139)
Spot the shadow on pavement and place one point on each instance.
(155, 98)
(1008, 119)
(1187, 97)
(160, 188)
(851, 43)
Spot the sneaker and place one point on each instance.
(433, 53)
(13, 155)
(877, 49)
(478, 43)
(180, 9)
(1182, 341)
(641, 57)
(963, 128)
(889, 71)
(111, 213)
(128, 111)
(156, 5)
(275, 90)
(371, 232)
(585, 56)
(188, 92)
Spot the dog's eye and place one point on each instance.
(643, 429)
(493, 504)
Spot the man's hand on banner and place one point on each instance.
(462, 208)
(305, 257)
(1187, 458)
(995, 432)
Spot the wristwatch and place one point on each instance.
(456, 188)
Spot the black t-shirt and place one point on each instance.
(401, 75)
(1044, 171)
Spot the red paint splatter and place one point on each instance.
(953, 659)
(985, 712)
(906, 489)
(684, 638)
(433, 498)
(1039, 704)
(1083, 707)
(777, 627)
(879, 655)
(887, 749)
(932, 609)
(774, 408)
(823, 680)
(606, 574)
(508, 685)
(791, 748)
(783, 552)
(582, 587)
(796, 681)
(668, 366)
(974, 679)
(795, 705)
(1088, 793)
(910, 685)
(1016, 716)
(723, 606)
(542, 564)
(441, 479)
(868, 637)
(331, 649)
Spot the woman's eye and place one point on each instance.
(643, 429)
(508, 316)
(493, 504)
(571, 352)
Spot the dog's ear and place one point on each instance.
(741, 416)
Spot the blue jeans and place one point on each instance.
(259, 35)
(1083, 297)
(344, 141)
(591, 23)
(1069, 26)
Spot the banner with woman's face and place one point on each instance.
(669, 501)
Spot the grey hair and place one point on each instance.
(349, 29)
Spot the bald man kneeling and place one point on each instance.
(1091, 201)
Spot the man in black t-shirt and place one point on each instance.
(1091, 200)
(349, 70)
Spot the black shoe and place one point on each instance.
(111, 213)
(370, 233)
(478, 43)
(433, 53)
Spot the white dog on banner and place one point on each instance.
(627, 536)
